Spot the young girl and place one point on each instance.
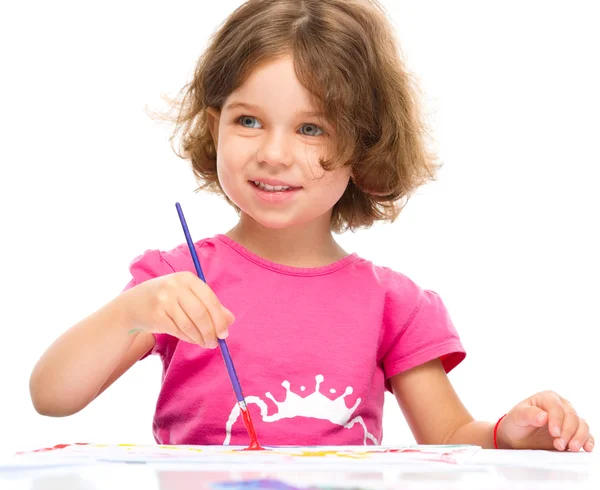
(302, 116)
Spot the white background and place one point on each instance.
(508, 235)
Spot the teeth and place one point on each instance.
(271, 188)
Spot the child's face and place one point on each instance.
(276, 141)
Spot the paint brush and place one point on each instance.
(222, 344)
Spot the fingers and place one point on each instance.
(589, 445)
(220, 317)
(569, 427)
(580, 437)
(553, 404)
(201, 320)
(192, 309)
(230, 317)
(566, 429)
(183, 327)
(197, 323)
(569, 430)
(531, 416)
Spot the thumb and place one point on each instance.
(229, 315)
(528, 415)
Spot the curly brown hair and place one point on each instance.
(346, 55)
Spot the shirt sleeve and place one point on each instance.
(147, 266)
(417, 329)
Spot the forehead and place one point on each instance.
(274, 86)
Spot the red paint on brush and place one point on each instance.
(254, 445)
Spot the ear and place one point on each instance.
(213, 117)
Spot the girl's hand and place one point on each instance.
(178, 304)
(544, 421)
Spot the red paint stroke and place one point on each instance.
(254, 445)
(436, 457)
(54, 448)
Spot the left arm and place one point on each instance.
(434, 411)
(436, 415)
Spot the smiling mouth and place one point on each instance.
(273, 188)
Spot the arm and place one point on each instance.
(433, 410)
(86, 360)
(436, 415)
(90, 356)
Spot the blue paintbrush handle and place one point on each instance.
(222, 344)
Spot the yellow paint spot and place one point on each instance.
(353, 455)
(312, 454)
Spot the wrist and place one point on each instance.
(499, 441)
(116, 311)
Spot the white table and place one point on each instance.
(485, 470)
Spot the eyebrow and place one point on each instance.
(251, 107)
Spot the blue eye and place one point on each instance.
(251, 122)
(247, 119)
(313, 127)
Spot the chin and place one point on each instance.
(275, 223)
(275, 220)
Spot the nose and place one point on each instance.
(275, 149)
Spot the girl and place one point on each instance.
(302, 116)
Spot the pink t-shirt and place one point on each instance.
(313, 348)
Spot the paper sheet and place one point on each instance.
(337, 457)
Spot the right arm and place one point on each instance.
(95, 352)
(86, 360)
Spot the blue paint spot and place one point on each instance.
(254, 485)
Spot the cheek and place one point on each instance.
(230, 157)
(233, 152)
(226, 173)
(333, 181)
(233, 156)
(333, 184)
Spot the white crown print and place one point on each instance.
(316, 405)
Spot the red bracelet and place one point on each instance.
(496, 431)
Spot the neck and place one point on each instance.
(307, 245)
